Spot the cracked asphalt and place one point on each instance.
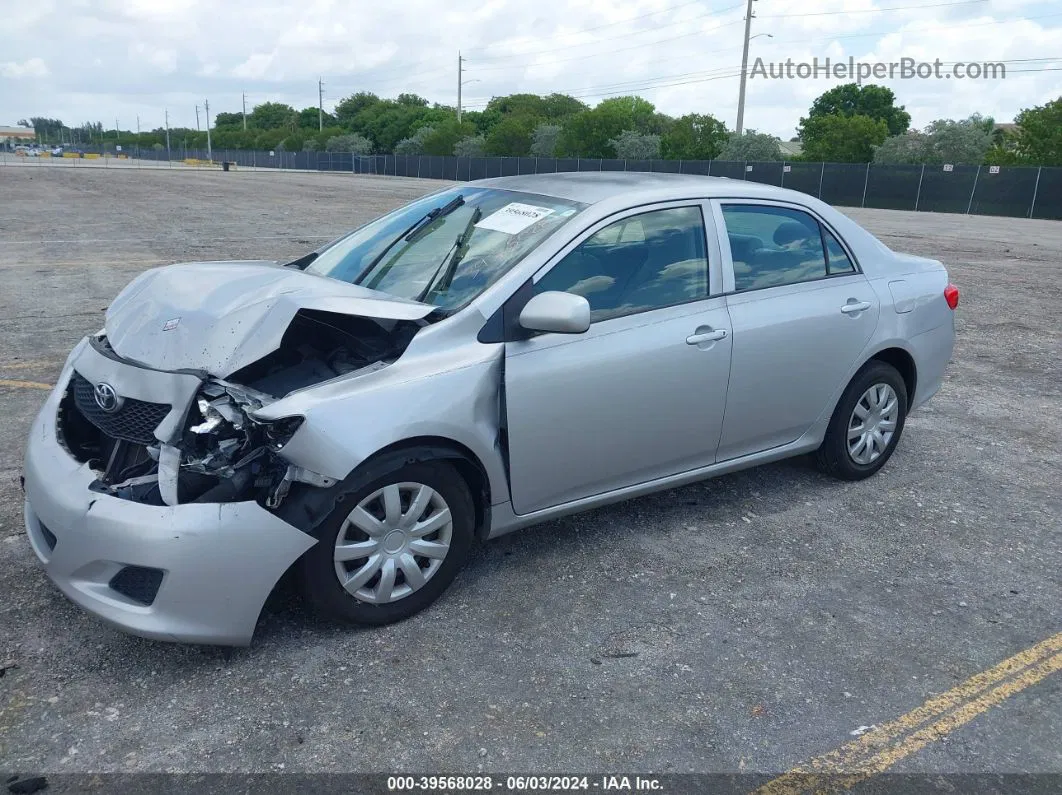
(744, 623)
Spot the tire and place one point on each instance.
(834, 456)
(320, 571)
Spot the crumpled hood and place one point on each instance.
(221, 316)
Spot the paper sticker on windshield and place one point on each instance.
(513, 218)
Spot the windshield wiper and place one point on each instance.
(303, 262)
(449, 264)
(410, 234)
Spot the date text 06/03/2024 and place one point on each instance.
(524, 783)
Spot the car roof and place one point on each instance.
(591, 187)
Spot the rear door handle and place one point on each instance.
(706, 336)
(859, 306)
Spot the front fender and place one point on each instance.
(346, 423)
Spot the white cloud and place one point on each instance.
(31, 67)
(107, 58)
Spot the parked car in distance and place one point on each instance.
(487, 357)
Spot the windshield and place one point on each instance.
(473, 237)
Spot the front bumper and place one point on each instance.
(219, 561)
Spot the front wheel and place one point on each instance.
(866, 425)
(391, 547)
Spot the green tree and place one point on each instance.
(910, 148)
(483, 120)
(751, 145)
(561, 106)
(511, 137)
(471, 146)
(228, 120)
(843, 139)
(349, 108)
(966, 142)
(590, 133)
(852, 99)
(416, 143)
(308, 119)
(351, 142)
(694, 137)
(544, 140)
(1039, 136)
(632, 145)
(445, 135)
(641, 112)
(552, 107)
(273, 116)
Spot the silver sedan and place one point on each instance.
(490, 356)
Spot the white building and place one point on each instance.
(12, 136)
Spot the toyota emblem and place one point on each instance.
(106, 398)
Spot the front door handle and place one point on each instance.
(855, 306)
(706, 336)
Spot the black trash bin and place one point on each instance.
(224, 165)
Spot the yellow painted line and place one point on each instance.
(24, 384)
(881, 748)
(30, 364)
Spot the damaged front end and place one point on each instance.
(221, 453)
(214, 449)
(162, 402)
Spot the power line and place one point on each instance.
(715, 12)
(613, 51)
(607, 24)
(872, 10)
(695, 33)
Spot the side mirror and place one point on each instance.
(560, 313)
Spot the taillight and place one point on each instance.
(951, 295)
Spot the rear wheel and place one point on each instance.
(391, 547)
(866, 425)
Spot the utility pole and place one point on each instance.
(167, 133)
(138, 140)
(744, 68)
(206, 107)
(117, 136)
(245, 112)
(197, 119)
(460, 61)
(320, 104)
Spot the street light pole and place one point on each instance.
(744, 68)
(460, 61)
(206, 107)
(320, 104)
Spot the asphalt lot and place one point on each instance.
(742, 624)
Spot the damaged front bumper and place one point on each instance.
(196, 572)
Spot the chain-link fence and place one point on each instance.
(1021, 192)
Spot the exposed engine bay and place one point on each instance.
(319, 346)
(223, 453)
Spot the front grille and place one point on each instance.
(135, 421)
(139, 583)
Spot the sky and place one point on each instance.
(108, 60)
